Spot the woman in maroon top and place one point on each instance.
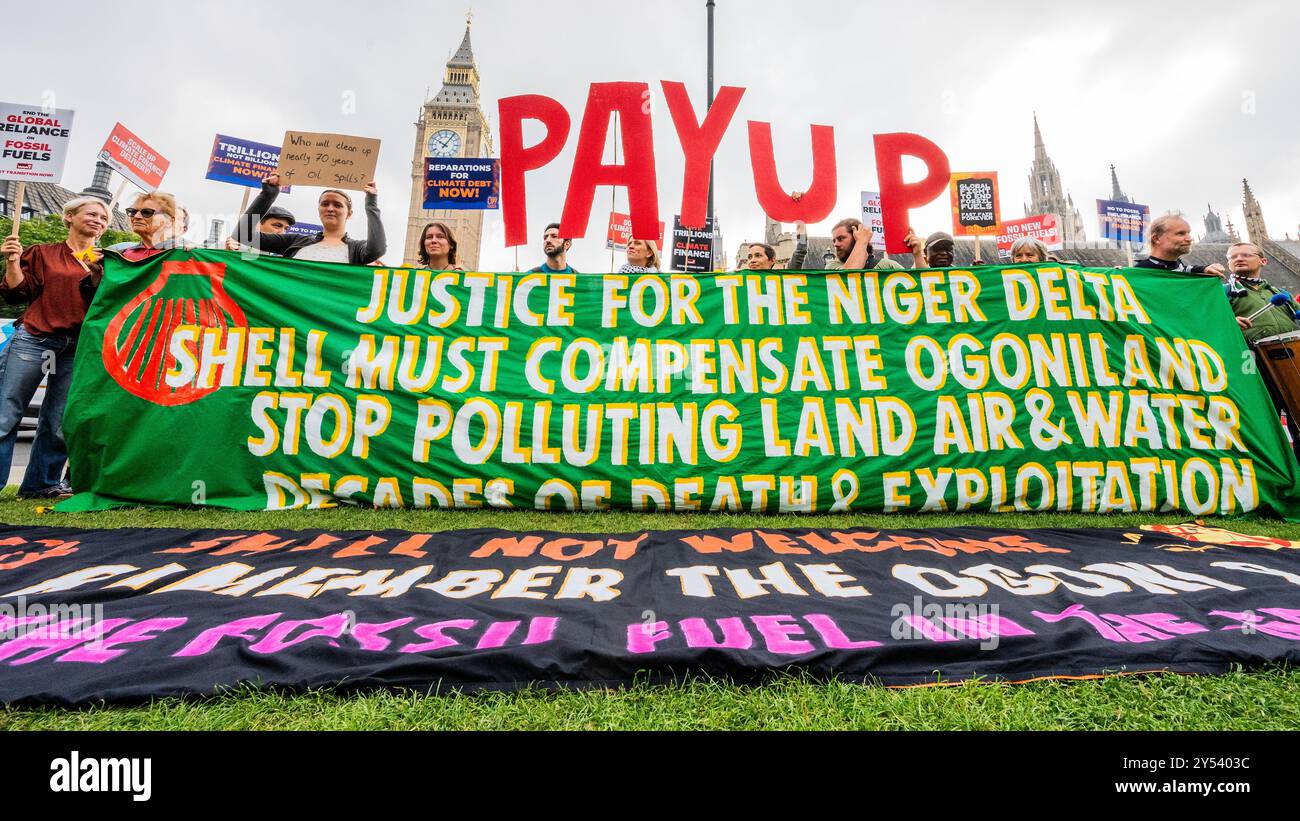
(49, 277)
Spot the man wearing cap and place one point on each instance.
(938, 252)
(276, 220)
(1171, 239)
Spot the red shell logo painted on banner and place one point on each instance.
(136, 355)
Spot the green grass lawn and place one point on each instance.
(1242, 700)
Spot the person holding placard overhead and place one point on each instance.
(330, 245)
(276, 220)
(49, 277)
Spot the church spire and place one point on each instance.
(1116, 193)
(1254, 215)
(1047, 195)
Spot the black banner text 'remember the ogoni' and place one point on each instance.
(135, 613)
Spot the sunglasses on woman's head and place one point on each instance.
(147, 213)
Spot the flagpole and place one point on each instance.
(709, 104)
(613, 190)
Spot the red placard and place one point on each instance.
(1045, 227)
(620, 231)
(134, 159)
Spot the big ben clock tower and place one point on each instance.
(451, 124)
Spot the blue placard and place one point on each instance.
(1123, 221)
(305, 229)
(242, 162)
(462, 184)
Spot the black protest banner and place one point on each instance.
(692, 249)
(974, 203)
(134, 613)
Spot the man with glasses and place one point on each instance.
(1251, 297)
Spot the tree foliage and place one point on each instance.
(50, 228)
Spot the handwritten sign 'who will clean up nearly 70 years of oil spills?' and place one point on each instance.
(327, 160)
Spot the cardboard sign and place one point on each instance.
(132, 157)
(1046, 228)
(873, 216)
(620, 231)
(1123, 221)
(328, 160)
(242, 162)
(692, 247)
(974, 203)
(469, 184)
(35, 142)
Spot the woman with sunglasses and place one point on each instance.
(330, 245)
(49, 278)
(159, 223)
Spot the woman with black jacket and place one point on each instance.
(331, 245)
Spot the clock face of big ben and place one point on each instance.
(444, 143)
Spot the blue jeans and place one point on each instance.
(25, 362)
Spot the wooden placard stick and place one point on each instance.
(121, 189)
(17, 207)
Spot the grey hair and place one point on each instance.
(72, 206)
(1031, 242)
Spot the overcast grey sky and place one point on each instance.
(1185, 99)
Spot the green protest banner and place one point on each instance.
(207, 378)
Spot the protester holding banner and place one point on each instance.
(276, 220)
(50, 278)
(1029, 249)
(1263, 311)
(1171, 238)
(851, 244)
(159, 223)
(760, 257)
(437, 250)
(332, 244)
(1252, 296)
(940, 250)
(642, 257)
(556, 251)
